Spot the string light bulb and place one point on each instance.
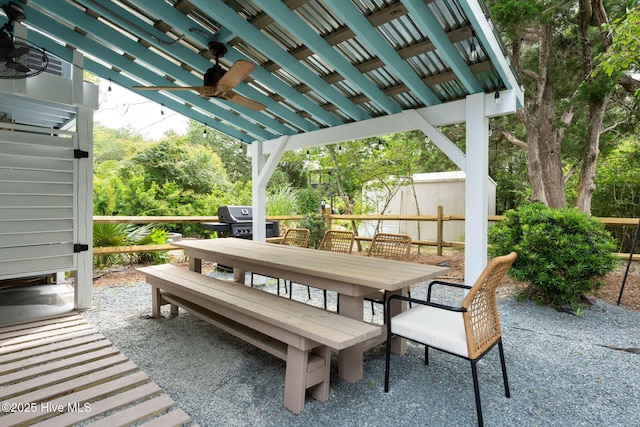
(340, 148)
(204, 132)
(496, 98)
(109, 88)
(162, 109)
(473, 53)
(380, 144)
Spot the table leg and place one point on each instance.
(156, 301)
(239, 275)
(195, 264)
(350, 359)
(398, 345)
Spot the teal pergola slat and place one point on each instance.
(421, 14)
(296, 26)
(181, 22)
(369, 36)
(99, 69)
(101, 51)
(105, 33)
(198, 62)
(240, 27)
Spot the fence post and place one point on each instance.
(327, 217)
(439, 232)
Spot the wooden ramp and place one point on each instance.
(60, 371)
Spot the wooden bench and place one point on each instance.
(300, 334)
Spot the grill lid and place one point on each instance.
(234, 214)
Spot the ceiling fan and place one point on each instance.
(219, 83)
(18, 58)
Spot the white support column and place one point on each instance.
(258, 191)
(262, 169)
(84, 210)
(476, 188)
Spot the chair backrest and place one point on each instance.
(390, 246)
(338, 241)
(481, 321)
(296, 237)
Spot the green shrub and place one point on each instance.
(317, 227)
(307, 201)
(562, 253)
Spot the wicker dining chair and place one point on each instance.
(335, 241)
(389, 246)
(468, 331)
(298, 237)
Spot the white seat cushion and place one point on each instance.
(434, 327)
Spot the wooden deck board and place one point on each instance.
(60, 371)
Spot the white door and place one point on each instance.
(37, 202)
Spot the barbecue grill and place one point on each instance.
(236, 221)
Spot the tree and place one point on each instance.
(547, 39)
(231, 151)
(191, 167)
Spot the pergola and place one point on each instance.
(326, 71)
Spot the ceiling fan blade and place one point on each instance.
(206, 91)
(237, 73)
(18, 66)
(245, 102)
(18, 52)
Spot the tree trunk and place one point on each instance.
(591, 12)
(586, 184)
(550, 142)
(544, 139)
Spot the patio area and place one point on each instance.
(563, 370)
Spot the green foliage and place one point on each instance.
(112, 235)
(228, 149)
(308, 201)
(624, 53)
(192, 167)
(618, 189)
(317, 226)
(282, 201)
(561, 252)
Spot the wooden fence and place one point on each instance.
(331, 219)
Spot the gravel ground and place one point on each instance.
(563, 369)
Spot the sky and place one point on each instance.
(123, 108)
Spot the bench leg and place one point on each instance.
(295, 379)
(174, 310)
(195, 264)
(156, 301)
(320, 391)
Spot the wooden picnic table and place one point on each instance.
(351, 276)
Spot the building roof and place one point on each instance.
(319, 63)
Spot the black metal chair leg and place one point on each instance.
(386, 363)
(324, 294)
(507, 393)
(476, 391)
(426, 354)
(308, 292)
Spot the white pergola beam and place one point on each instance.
(475, 111)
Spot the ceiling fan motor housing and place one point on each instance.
(213, 75)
